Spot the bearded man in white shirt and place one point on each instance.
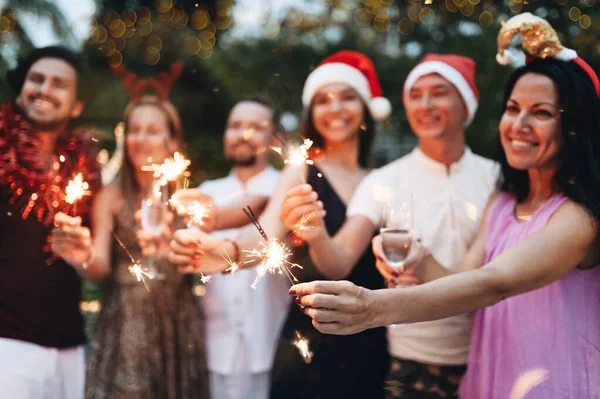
(242, 323)
(450, 187)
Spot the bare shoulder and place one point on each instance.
(109, 198)
(574, 220)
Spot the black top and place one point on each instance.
(39, 303)
(350, 366)
(39, 295)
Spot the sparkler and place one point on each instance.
(301, 225)
(272, 257)
(204, 279)
(294, 154)
(76, 189)
(233, 266)
(302, 344)
(170, 169)
(136, 269)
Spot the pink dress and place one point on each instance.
(543, 344)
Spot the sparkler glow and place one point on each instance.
(233, 266)
(205, 279)
(272, 257)
(301, 225)
(76, 189)
(295, 155)
(136, 269)
(198, 213)
(170, 169)
(302, 344)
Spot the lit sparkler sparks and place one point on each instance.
(302, 344)
(295, 155)
(302, 223)
(233, 266)
(76, 189)
(272, 257)
(205, 279)
(170, 170)
(136, 269)
(198, 213)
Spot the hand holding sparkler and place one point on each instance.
(194, 251)
(151, 244)
(70, 240)
(302, 213)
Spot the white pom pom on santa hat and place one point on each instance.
(357, 71)
(380, 108)
(505, 58)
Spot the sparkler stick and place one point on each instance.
(135, 268)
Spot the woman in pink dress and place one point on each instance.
(532, 269)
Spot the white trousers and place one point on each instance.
(30, 371)
(240, 384)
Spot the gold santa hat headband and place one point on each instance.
(540, 41)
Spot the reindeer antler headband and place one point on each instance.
(160, 84)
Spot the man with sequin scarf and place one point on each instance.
(41, 328)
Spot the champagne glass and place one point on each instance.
(154, 208)
(397, 230)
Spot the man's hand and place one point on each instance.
(70, 240)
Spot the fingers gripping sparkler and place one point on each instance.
(136, 269)
(272, 256)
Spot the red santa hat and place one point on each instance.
(540, 41)
(456, 69)
(354, 69)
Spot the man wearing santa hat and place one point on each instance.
(449, 186)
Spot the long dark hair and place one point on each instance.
(365, 138)
(578, 176)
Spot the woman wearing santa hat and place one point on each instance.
(342, 98)
(532, 271)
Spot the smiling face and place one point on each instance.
(435, 108)
(148, 136)
(530, 128)
(337, 112)
(248, 133)
(49, 94)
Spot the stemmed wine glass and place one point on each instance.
(397, 229)
(154, 208)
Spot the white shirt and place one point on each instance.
(448, 206)
(233, 310)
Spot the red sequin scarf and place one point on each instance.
(40, 189)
